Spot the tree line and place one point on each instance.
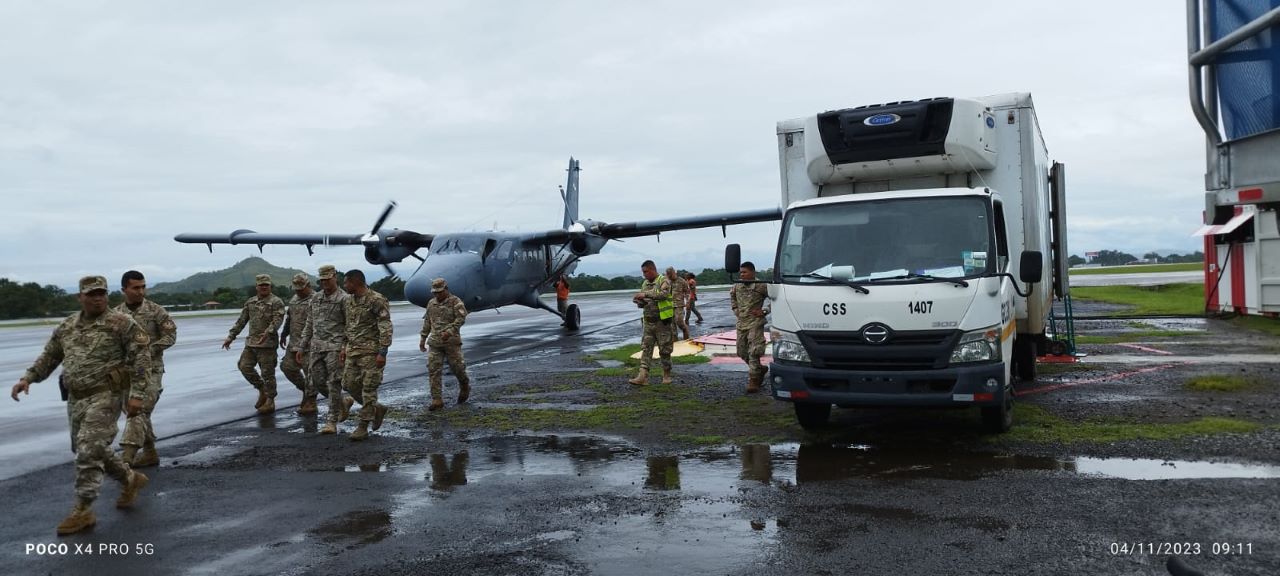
(1117, 258)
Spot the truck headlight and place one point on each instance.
(978, 346)
(787, 347)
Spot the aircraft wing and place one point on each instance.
(651, 227)
(388, 245)
(257, 238)
(616, 230)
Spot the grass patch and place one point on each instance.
(1220, 383)
(1035, 424)
(1135, 336)
(613, 371)
(623, 354)
(1260, 323)
(1144, 269)
(672, 411)
(1181, 299)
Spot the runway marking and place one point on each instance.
(1100, 379)
(1147, 349)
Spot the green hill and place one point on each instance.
(237, 276)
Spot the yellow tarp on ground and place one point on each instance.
(680, 348)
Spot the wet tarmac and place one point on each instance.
(1142, 279)
(202, 386)
(880, 492)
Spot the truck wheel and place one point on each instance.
(812, 416)
(572, 317)
(998, 419)
(1024, 359)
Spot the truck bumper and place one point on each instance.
(977, 385)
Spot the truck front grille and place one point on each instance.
(916, 350)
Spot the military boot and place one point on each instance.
(436, 404)
(308, 407)
(137, 481)
(753, 383)
(346, 408)
(262, 399)
(268, 407)
(641, 379)
(666, 375)
(379, 412)
(146, 459)
(464, 392)
(80, 518)
(361, 432)
(127, 452)
(330, 428)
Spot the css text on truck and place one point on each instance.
(921, 248)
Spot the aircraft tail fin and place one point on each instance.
(570, 194)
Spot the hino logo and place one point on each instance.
(882, 120)
(875, 333)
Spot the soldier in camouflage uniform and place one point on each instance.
(748, 303)
(655, 298)
(323, 337)
(679, 297)
(105, 357)
(440, 332)
(295, 365)
(368, 320)
(159, 326)
(263, 314)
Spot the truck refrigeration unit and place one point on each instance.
(921, 248)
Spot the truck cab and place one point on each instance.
(921, 246)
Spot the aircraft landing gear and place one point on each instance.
(572, 317)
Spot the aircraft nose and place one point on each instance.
(456, 271)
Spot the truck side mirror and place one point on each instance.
(1031, 267)
(732, 258)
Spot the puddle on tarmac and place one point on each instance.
(356, 528)
(720, 471)
(1177, 324)
(1142, 469)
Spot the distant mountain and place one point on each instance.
(238, 276)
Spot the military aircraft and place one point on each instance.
(491, 269)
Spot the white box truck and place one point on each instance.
(921, 247)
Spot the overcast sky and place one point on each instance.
(123, 123)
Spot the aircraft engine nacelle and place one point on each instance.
(381, 253)
(586, 245)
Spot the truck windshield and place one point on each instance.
(901, 239)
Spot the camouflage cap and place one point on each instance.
(439, 285)
(328, 271)
(262, 279)
(301, 280)
(90, 283)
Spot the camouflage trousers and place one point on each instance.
(436, 356)
(265, 360)
(751, 348)
(138, 431)
(659, 333)
(445, 475)
(298, 373)
(361, 377)
(679, 326)
(325, 374)
(94, 423)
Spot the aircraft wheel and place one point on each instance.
(572, 317)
